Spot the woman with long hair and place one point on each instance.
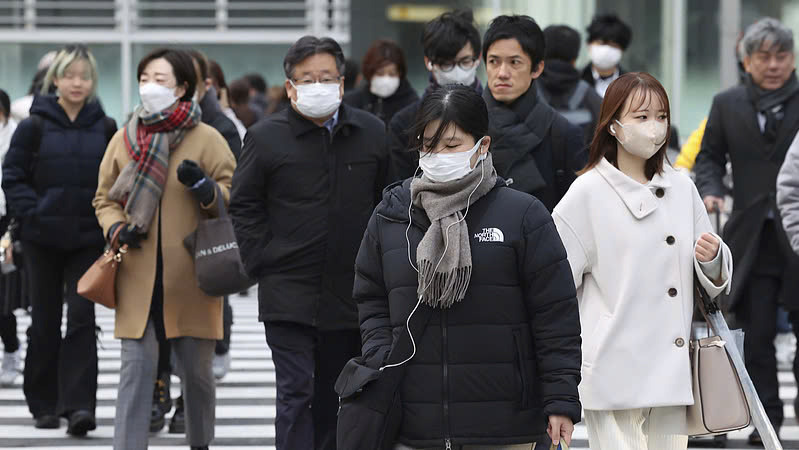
(636, 232)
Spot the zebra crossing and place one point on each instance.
(245, 409)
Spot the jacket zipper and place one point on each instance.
(390, 219)
(445, 371)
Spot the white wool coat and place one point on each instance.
(631, 249)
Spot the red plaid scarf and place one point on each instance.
(149, 139)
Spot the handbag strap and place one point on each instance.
(220, 201)
(705, 303)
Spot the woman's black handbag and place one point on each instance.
(217, 261)
(370, 409)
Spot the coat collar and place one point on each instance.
(639, 198)
(300, 125)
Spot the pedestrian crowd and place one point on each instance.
(504, 259)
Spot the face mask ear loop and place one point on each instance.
(446, 246)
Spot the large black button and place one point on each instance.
(670, 240)
(660, 192)
(672, 292)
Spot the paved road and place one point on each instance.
(245, 398)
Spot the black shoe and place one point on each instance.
(204, 447)
(48, 421)
(81, 422)
(162, 404)
(178, 423)
(754, 438)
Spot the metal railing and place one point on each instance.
(276, 21)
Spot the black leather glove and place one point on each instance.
(190, 174)
(130, 236)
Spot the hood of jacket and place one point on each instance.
(559, 76)
(47, 106)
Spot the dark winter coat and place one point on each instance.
(403, 162)
(383, 108)
(213, 115)
(536, 149)
(588, 74)
(300, 204)
(52, 193)
(493, 367)
(733, 133)
(575, 99)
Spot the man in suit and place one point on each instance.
(753, 124)
(608, 38)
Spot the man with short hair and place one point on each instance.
(451, 45)
(536, 149)
(305, 187)
(608, 38)
(561, 84)
(752, 126)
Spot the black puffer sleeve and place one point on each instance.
(370, 293)
(555, 320)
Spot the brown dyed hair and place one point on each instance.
(642, 86)
(381, 53)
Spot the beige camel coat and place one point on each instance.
(187, 310)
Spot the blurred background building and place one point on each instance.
(689, 45)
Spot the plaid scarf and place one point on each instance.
(149, 139)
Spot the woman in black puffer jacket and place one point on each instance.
(498, 362)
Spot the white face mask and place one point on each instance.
(156, 98)
(317, 100)
(384, 86)
(443, 167)
(643, 139)
(455, 76)
(604, 57)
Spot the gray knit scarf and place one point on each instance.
(444, 276)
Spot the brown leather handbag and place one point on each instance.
(98, 284)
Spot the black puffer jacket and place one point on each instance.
(213, 115)
(492, 368)
(52, 193)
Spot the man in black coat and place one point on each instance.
(536, 149)
(561, 85)
(752, 125)
(305, 187)
(451, 45)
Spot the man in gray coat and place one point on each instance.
(788, 194)
(752, 125)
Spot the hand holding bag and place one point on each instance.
(98, 284)
(719, 401)
(217, 261)
(370, 408)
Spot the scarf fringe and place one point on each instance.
(443, 289)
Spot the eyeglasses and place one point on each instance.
(464, 63)
(309, 81)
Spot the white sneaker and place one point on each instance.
(221, 365)
(10, 368)
(785, 345)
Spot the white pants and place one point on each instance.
(630, 429)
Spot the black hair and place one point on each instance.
(452, 104)
(351, 70)
(202, 63)
(563, 43)
(609, 28)
(256, 82)
(522, 28)
(5, 104)
(308, 46)
(182, 67)
(38, 81)
(445, 36)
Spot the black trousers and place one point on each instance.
(60, 373)
(223, 345)
(8, 333)
(307, 363)
(757, 314)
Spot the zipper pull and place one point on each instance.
(448, 444)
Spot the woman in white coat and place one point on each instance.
(635, 231)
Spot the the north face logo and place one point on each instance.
(490, 235)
